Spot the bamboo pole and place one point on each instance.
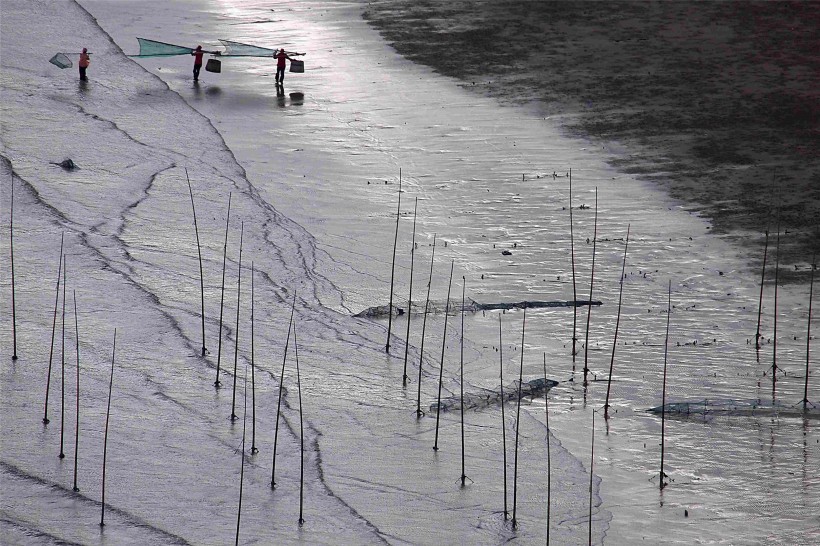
(222, 297)
(591, 475)
(11, 251)
(242, 468)
(77, 421)
(663, 390)
(461, 382)
(443, 346)
(410, 296)
(419, 413)
(762, 280)
(574, 289)
(503, 403)
(617, 324)
(279, 403)
(808, 334)
(105, 437)
(254, 449)
(199, 252)
(549, 469)
(236, 333)
(393, 271)
(774, 336)
(53, 329)
(62, 373)
(591, 282)
(301, 433)
(518, 419)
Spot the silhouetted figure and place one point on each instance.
(280, 66)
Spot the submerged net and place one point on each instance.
(61, 60)
(757, 407)
(152, 48)
(489, 397)
(238, 49)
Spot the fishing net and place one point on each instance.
(152, 48)
(756, 407)
(489, 397)
(61, 60)
(237, 49)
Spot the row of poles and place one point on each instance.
(62, 283)
(662, 475)
(62, 272)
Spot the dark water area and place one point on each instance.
(716, 101)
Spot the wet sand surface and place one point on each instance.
(716, 101)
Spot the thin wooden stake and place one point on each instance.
(574, 289)
(518, 419)
(62, 373)
(236, 333)
(503, 420)
(591, 465)
(77, 422)
(199, 252)
(53, 329)
(301, 433)
(419, 413)
(105, 437)
(410, 296)
(443, 346)
(461, 382)
(591, 282)
(242, 468)
(808, 334)
(663, 389)
(254, 449)
(279, 403)
(11, 250)
(393, 271)
(762, 280)
(774, 337)
(222, 297)
(549, 470)
(617, 324)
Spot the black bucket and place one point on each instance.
(213, 65)
(297, 66)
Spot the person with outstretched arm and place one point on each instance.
(85, 60)
(280, 66)
(198, 53)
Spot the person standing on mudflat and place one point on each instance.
(280, 66)
(197, 53)
(85, 60)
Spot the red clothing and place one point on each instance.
(84, 60)
(198, 56)
(280, 59)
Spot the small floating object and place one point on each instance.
(506, 253)
(67, 164)
(297, 95)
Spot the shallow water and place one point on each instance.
(319, 219)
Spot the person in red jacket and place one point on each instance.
(85, 60)
(197, 53)
(280, 66)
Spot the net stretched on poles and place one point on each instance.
(238, 49)
(152, 48)
(61, 60)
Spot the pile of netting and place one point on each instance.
(435, 307)
(756, 407)
(489, 397)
